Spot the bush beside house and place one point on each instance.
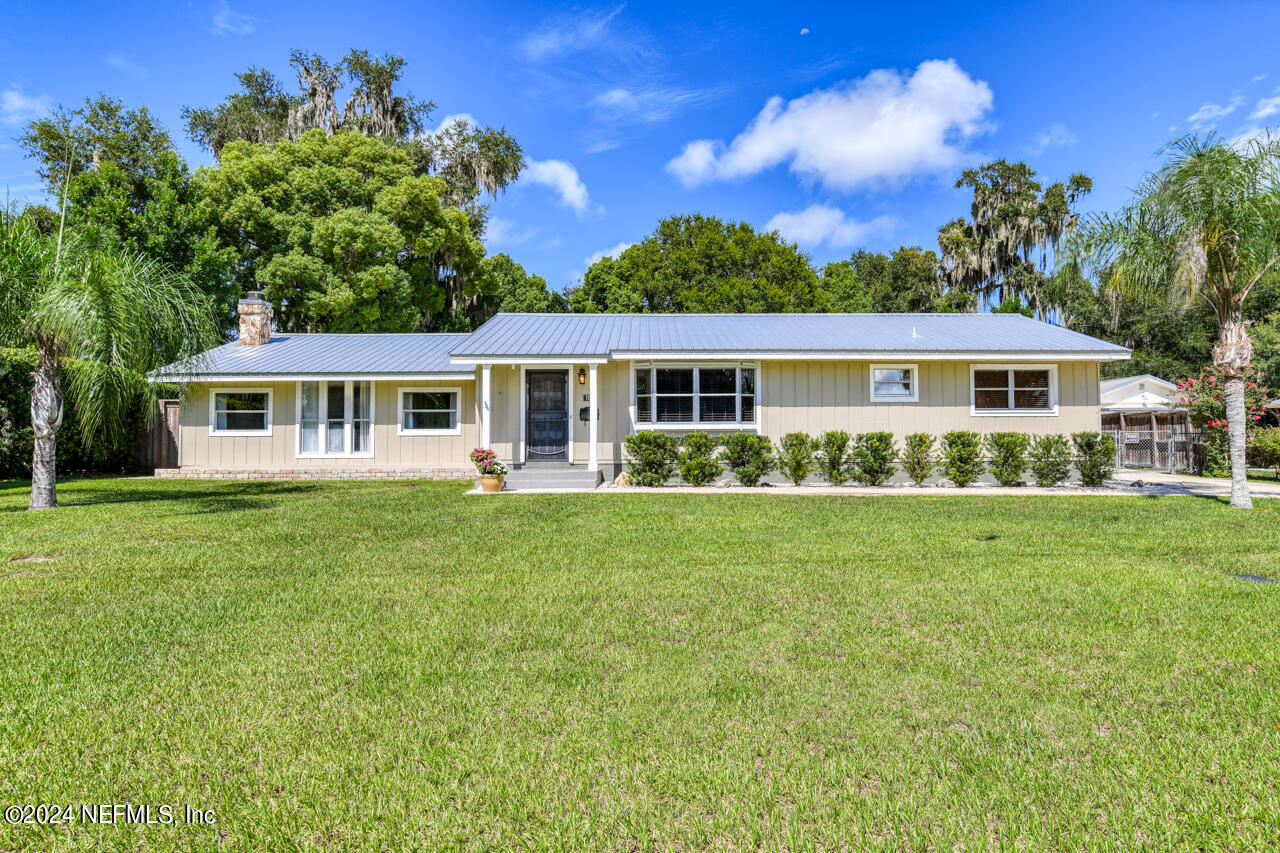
(1050, 460)
(1095, 456)
(796, 457)
(872, 458)
(833, 457)
(1007, 452)
(698, 464)
(961, 457)
(653, 457)
(917, 457)
(749, 456)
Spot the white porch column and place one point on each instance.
(486, 385)
(593, 452)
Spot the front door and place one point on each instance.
(548, 416)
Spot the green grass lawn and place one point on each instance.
(386, 666)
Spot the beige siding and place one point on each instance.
(197, 448)
(816, 396)
(794, 397)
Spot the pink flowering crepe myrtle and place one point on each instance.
(487, 462)
(1205, 401)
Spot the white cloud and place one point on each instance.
(645, 105)
(17, 107)
(465, 118)
(1257, 78)
(125, 65)
(1054, 136)
(611, 252)
(804, 31)
(561, 177)
(1266, 107)
(887, 125)
(504, 232)
(567, 34)
(1209, 114)
(820, 224)
(228, 22)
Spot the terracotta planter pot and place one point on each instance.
(491, 482)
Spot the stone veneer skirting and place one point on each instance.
(316, 473)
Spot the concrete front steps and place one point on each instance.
(560, 478)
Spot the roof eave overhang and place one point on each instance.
(877, 355)
(437, 376)
(806, 355)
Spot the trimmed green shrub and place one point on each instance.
(795, 456)
(698, 465)
(833, 457)
(1095, 456)
(653, 457)
(1008, 456)
(872, 458)
(1050, 459)
(749, 456)
(961, 457)
(1264, 449)
(917, 457)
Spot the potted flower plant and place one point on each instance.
(491, 469)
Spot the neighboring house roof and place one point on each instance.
(1110, 385)
(787, 335)
(1145, 393)
(296, 355)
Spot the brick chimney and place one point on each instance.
(255, 319)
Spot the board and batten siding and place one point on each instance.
(816, 396)
(796, 396)
(199, 449)
(614, 404)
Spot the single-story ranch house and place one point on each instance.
(567, 389)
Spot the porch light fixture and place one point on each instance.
(582, 376)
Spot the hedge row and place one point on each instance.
(869, 458)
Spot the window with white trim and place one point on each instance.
(999, 389)
(696, 395)
(894, 383)
(235, 412)
(335, 418)
(430, 411)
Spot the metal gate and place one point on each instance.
(1158, 450)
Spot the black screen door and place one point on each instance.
(548, 419)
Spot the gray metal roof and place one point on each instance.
(1121, 381)
(297, 354)
(604, 335)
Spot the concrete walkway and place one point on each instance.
(1153, 483)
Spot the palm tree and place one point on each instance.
(99, 318)
(1206, 225)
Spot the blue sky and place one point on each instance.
(843, 125)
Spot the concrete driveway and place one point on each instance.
(1186, 484)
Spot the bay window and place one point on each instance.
(695, 395)
(335, 418)
(1014, 389)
